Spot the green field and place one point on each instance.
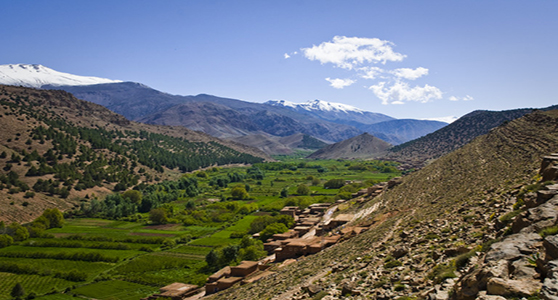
(116, 289)
(148, 256)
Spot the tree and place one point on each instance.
(284, 193)
(303, 190)
(18, 232)
(5, 240)
(17, 291)
(315, 181)
(212, 259)
(55, 217)
(334, 183)
(272, 229)
(239, 193)
(133, 195)
(158, 216)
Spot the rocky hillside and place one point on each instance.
(400, 131)
(364, 146)
(431, 234)
(56, 150)
(453, 136)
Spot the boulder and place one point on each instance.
(514, 247)
(549, 289)
(523, 269)
(490, 297)
(399, 252)
(349, 289)
(312, 289)
(550, 244)
(508, 287)
(536, 218)
(549, 167)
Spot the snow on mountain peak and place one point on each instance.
(329, 106)
(317, 105)
(39, 75)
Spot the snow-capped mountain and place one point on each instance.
(317, 105)
(37, 76)
(331, 111)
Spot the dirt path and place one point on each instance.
(366, 212)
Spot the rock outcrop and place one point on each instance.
(522, 264)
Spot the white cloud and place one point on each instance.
(371, 72)
(400, 92)
(409, 73)
(339, 83)
(287, 56)
(349, 52)
(466, 98)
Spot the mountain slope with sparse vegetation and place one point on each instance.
(56, 150)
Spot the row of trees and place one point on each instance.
(51, 218)
(248, 249)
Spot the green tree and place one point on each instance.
(158, 216)
(212, 259)
(55, 217)
(17, 291)
(316, 181)
(5, 240)
(272, 229)
(334, 183)
(303, 190)
(284, 193)
(18, 232)
(239, 193)
(133, 195)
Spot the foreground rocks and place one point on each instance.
(522, 264)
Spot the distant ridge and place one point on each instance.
(273, 145)
(331, 111)
(454, 135)
(364, 146)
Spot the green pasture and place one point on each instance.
(31, 284)
(115, 289)
(93, 268)
(121, 254)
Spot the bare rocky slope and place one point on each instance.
(364, 146)
(443, 232)
(453, 136)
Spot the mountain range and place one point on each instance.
(218, 116)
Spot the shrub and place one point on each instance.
(392, 264)
(441, 273)
(5, 240)
(334, 183)
(303, 190)
(272, 229)
(553, 230)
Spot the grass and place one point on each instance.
(553, 230)
(115, 289)
(31, 283)
(93, 268)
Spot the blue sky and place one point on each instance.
(407, 59)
